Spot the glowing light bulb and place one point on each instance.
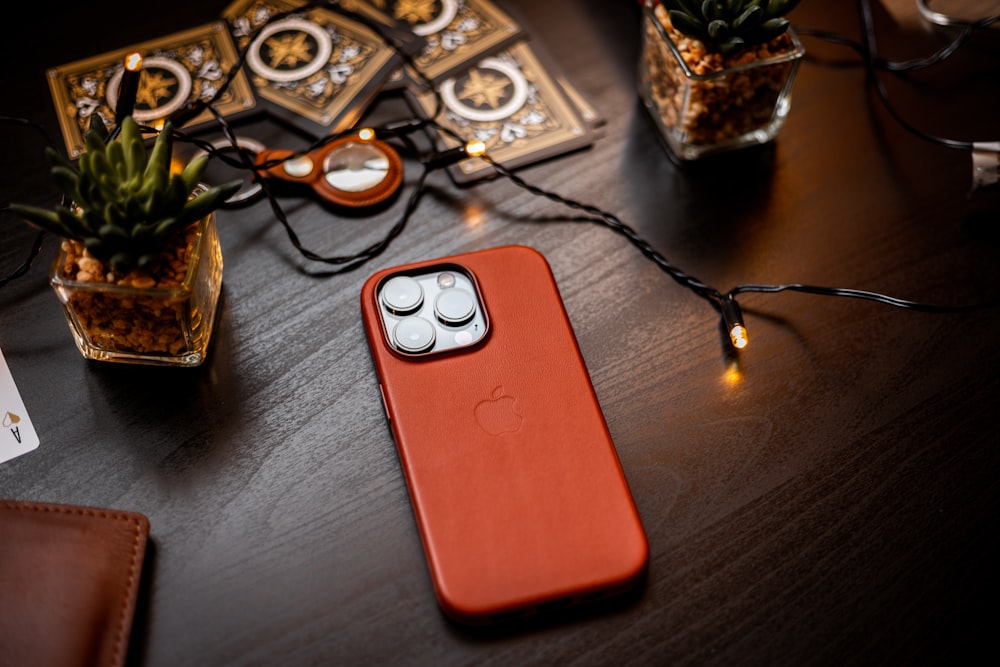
(475, 148)
(733, 317)
(738, 335)
(128, 87)
(133, 61)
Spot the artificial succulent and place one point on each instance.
(729, 25)
(123, 204)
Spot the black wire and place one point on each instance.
(36, 244)
(863, 294)
(897, 66)
(873, 62)
(868, 41)
(401, 131)
(700, 288)
(356, 260)
(36, 248)
(950, 21)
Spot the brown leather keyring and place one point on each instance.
(356, 170)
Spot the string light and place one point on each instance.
(457, 154)
(129, 87)
(733, 318)
(726, 304)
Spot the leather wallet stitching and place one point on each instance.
(136, 539)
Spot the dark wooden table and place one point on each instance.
(829, 497)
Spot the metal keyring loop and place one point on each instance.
(251, 146)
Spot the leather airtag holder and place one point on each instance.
(69, 582)
(349, 171)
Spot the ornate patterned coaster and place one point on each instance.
(317, 69)
(458, 32)
(513, 105)
(176, 69)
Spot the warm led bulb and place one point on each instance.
(366, 134)
(475, 148)
(738, 334)
(133, 61)
(733, 318)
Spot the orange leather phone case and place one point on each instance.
(521, 516)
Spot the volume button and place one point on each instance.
(385, 406)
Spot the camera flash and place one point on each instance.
(446, 280)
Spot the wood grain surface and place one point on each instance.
(828, 497)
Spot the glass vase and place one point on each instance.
(705, 103)
(142, 318)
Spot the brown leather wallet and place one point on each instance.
(69, 581)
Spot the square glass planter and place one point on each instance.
(139, 321)
(705, 104)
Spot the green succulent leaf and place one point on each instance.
(208, 201)
(688, 25)
(98, 129)
(116, 159)
(749, 19)
(122, 261)
(67, 180)
(113, 232)
(729, 25)
(57, 159)
(194, 171)
(142, 232)
(690, 7)
(165, 227)
(77, 223)
(42, 218)
(95, 245)
(134, 148)
(177, 193)
(114, 216)
(122, 201)
(94, 141)
(774, 27)
(145, 260)
(732, 44)
(158, 165)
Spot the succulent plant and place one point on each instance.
(729, 25)
(123, 204)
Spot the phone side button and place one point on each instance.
(385, 406)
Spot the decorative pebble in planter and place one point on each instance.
(705, 101)
(162, 315)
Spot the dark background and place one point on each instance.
(827, 497)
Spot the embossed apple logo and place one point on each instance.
(498, 414)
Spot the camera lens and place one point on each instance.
(454, 307)
(413, 334)
(402, 295)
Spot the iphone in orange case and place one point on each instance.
(520, 499)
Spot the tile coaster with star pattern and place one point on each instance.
(316, 69)
(176, 69)
(457, 32)
(513, 104)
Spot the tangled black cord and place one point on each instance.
(725, 303)
(873, 62)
